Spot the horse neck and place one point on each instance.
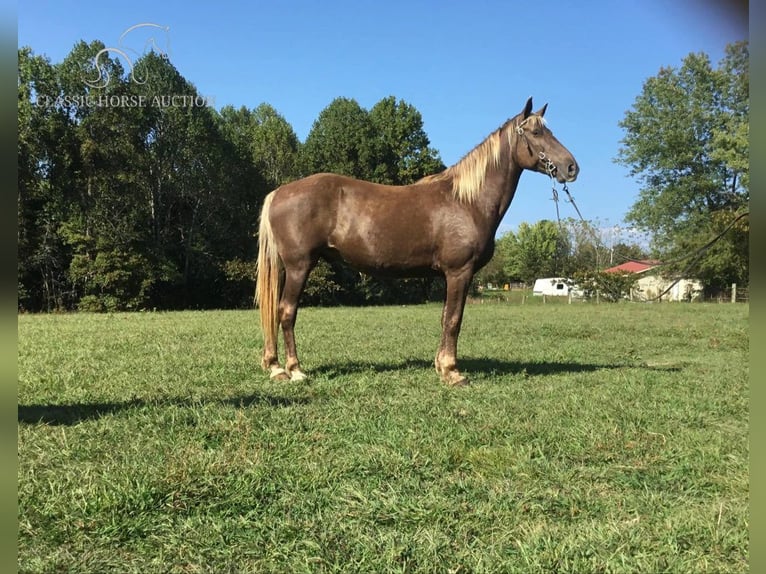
(499, 187)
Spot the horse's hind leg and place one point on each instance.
(270, 362)
(295, 279)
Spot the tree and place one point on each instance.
(110, 268)
(266, 138)
(586, 250)
(44, 172)
(125, 206)
(595, 245)
(267, 152)
(202, 190)
(686, 142)
(56, 157)
(609, 286)
(342, 140)
(275, 146)
(731, 138)
(536, 251)
(622, 252)
(155, 205)
(494, 271)
(404, 153)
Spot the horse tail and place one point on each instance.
(268, 284)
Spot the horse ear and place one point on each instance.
(541, 111)
(527, 108)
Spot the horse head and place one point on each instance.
(537, 149)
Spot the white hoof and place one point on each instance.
(278, 373)
(297, 375)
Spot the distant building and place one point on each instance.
(650, 284)
(634, 266)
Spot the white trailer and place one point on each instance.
(552, 286)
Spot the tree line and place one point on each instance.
(134, 193)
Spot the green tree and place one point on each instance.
(156, 205)
(275, 146)
(496, 271)
(622, 252)
(127, 206)
(730, 139)
(585, 248)
(686, 142)
(248, 188)
(404, 153)
(342, 140)
(110, 268)
(202, 190)
(607, 286)
(45, 170)
(56, 159)
(535, 251)
(596, 246)
(266, 138)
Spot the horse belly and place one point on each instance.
(392, 245)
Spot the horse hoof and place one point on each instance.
(297, 375)
(279, 374)
(456, 380)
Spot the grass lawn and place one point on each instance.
(593, 438)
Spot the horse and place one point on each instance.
(443, 224)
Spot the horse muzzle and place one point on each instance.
(568, 174)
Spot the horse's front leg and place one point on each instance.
(452, 317)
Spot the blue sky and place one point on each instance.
(466, 66)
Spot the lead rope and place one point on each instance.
(551, 169)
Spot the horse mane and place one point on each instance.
(469, 173)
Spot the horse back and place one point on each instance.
(388, 230)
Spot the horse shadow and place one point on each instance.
(70, 414)
(480, 366)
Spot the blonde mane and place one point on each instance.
(469, 173)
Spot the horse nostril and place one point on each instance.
(572, 169)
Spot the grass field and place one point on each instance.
(593, 438)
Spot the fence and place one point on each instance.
(523, 296)
(740, 295)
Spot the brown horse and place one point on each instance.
(443, 224)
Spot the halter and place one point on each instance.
(550, 168)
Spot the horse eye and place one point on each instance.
(536, 132)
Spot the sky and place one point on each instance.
(466, 66)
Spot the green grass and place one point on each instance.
(593, 438)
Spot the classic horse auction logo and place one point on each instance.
(129, 55)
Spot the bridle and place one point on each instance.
(550, 167)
